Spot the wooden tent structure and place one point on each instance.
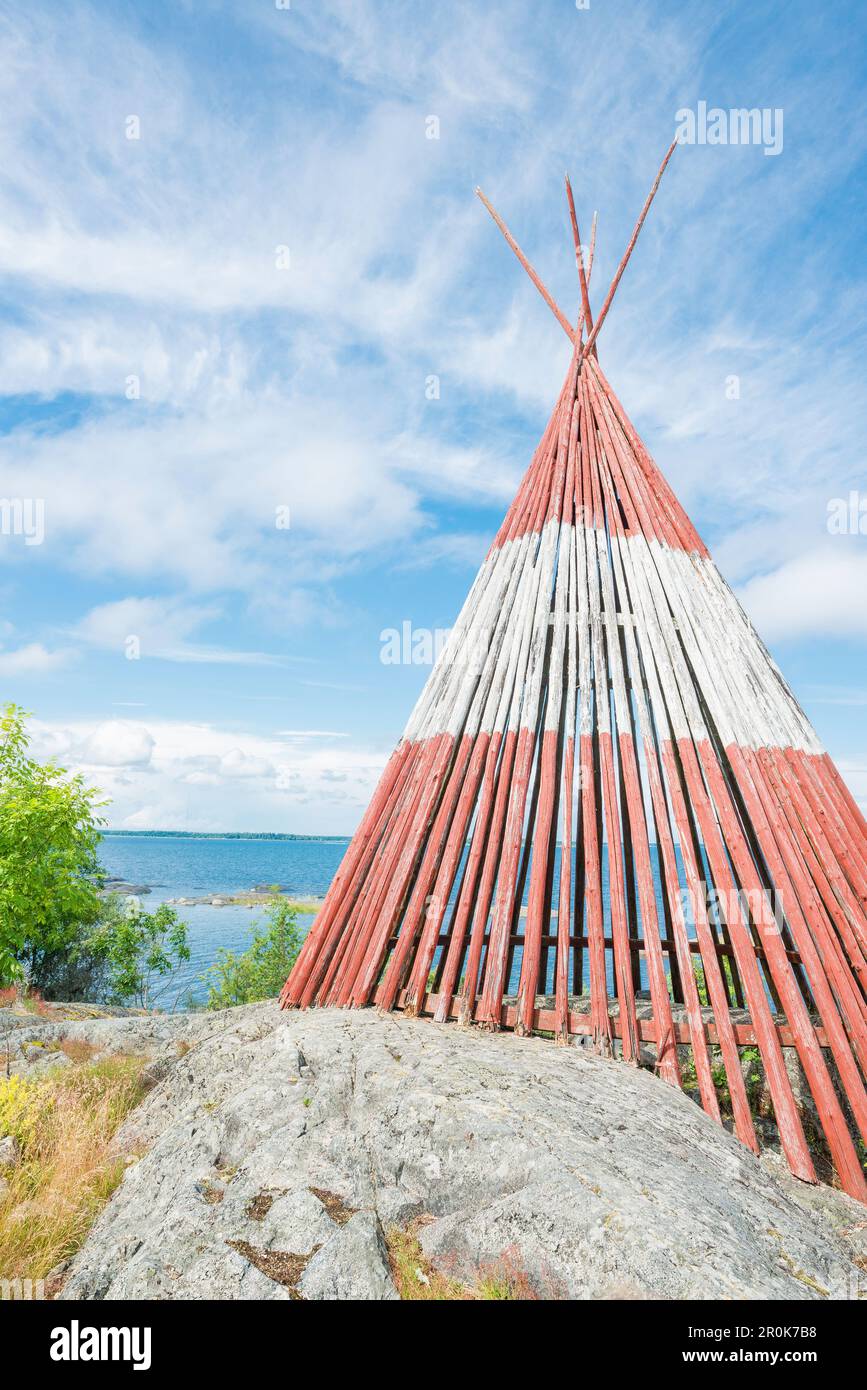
(608, 815)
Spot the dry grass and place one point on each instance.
(77, 1050)
(418, 1280)
(504, 1279)
(65, 1122)
(33, 1003)
(415, 1278)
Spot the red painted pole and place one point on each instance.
(603, 312)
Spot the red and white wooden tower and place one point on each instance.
(608, 814)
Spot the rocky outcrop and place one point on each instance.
(274, 1152)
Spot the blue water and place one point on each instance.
(182, 867)
(188, 868)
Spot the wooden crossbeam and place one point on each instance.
(544, 1020)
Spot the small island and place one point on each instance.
(251, 897)
(243, 897)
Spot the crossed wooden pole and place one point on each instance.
(585, 318)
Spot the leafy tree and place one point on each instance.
(143, 951)
(260, 971)
(49, 832)
(10, 970)
(78, 973)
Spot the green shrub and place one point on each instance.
(142, 951)
(260, 971)
(48, 865)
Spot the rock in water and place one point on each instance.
(279, 1148)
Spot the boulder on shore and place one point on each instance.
(275, 1151)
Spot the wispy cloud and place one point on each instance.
(310, 733)
(837, 695)
(142, 628)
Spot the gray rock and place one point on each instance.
(352, 1264)
(41, 1062)
(10, 1153)
(279, 1147)
(33, 1043)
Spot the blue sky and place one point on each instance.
(259, 699)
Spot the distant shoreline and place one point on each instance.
(225, 835)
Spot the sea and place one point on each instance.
(187, 867)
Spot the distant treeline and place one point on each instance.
(220, 835)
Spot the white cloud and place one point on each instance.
(166, 774)
(197, 499)
(131, 354)
(157, 622)
(820, 594)
(237, 763)
(855, 774)
(310, 733)
(160, 629)
(836, 695)
(32, 659)
(116, 743)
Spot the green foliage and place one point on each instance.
(260, 971)
(10, 970)
(143, 951)
(80, 972)
(754, 1077)
(751, 1070)
(701, 981)
(49, 833)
